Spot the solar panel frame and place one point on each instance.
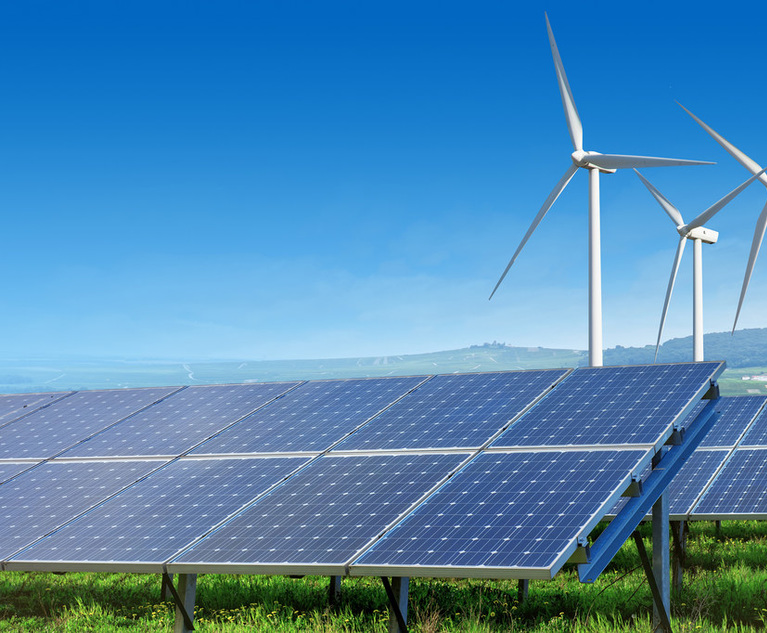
(580, 384)
(737, 417)
(719, 491)
(51, 430)
(431, 416)
(149, 434)
(362, 565)
(289, 417)
(40, 500)
(18, 405)
(154, 499)
(286, 503)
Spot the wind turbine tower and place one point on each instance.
(595, 163)
(761, 222)
(698, 234)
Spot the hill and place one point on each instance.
(746, 355)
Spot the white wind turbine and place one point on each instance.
(595, 163)
(699, 234)
(761, 222)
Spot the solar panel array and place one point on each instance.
(439, 475)
(726, 477)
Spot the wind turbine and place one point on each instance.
(761, 222)
(699, 234)
(595, 163)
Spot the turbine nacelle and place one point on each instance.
(581, 159)
(707, 236)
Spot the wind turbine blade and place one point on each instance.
(717, 206)
(739, 156)
(761, 225)
(669, 208)
(622, 161)
(574, 125)
(669, 290)
(544, 209)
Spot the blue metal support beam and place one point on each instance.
(637, 508)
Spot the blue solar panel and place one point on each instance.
(693, 477)
(740, 489)
(13, 406)
(735, 414)
(11, 469)
(49, 431)
(325, 513)
(456, 411)
(612, 406)
(312, 417)
(508, 510)
(757, 433)
(158, 516)
(45, 497)
(181, 421)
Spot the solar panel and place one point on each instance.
(11, 469)
(322, 515)
(50, 495)
(757, 433)
(456, 411)
(613, 406)
(507, 514)
(13, 406)
(312, 417)
(48, 431)
(739, 490)
(181, 421)
(161, 514)
(735, 415)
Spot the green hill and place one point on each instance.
(745, 353)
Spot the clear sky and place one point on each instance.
(281, 179)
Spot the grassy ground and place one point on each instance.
(724, 591)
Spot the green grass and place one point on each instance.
(724, 591)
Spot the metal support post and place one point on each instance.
(523, 588)
(660, 559)
(397, 593)
(334, 589)
(664, 622)
(166, 580)
(679, 560)
(184, 599)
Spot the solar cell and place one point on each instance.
(739, 490)
(48, 431)
(181, 421)
(735, 416)
(311, 417)
(507, 514)
(14, 405)
(757, 432)
(322, 515)
(613, 406)
(161, 514)
(455, 411)
(46, 497)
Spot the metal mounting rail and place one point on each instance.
(620, 529)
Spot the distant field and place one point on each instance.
(51, 375)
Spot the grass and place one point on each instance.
(724, 591)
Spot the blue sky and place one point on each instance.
(275, 180)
